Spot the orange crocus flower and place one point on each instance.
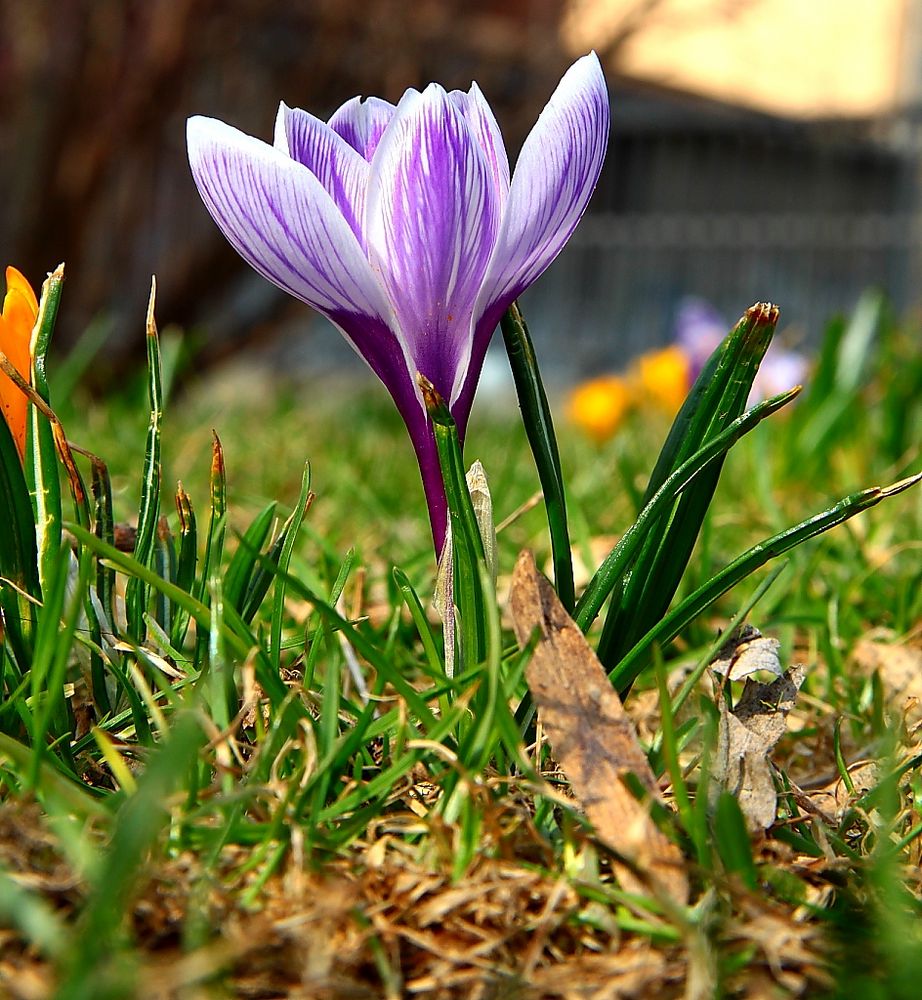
(598, 407)
(664, 377)
(20, 309)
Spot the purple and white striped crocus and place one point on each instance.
(401, 226)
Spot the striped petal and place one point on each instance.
(554, 178)
(483, 125)
(362, 123)
(339, 168)
(283, 222)
(431, 222)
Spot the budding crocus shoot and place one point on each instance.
(699, 330)
(20, 309)
(401, 225)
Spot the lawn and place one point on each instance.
(233, 761)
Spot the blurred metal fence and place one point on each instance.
(615, 289)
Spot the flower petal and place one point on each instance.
(483, 125)
(282, 221)
(16, 284)
(431, 221)
(362, 123)
(554, 178)
(556, 173)
(338, 167)
(20, 309)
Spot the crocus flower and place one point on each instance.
(20, 308)
(699, 330)
(598, 406)
(401, 226)
(663, 378)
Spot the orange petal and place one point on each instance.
(599, 406)
(665, 377)
(16, 282)
(19, 311)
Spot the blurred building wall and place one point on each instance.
(799, 58)
(761, 149)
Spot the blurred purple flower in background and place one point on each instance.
(699, 330)
(400, 225)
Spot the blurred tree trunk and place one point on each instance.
(92, 122)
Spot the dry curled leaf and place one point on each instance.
(748, 733)
(593, 739)
(748, 652)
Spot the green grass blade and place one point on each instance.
(844, 366)
(280, 568)
(186, 562)
(364, 646)
(131, 567)
(732, 841)
(51, 785)
(245, 561)
(418, 614)
(104, 528)
(60, 617)
(214, 541)
(724, 374)
(261, 578)
(90, 971)
(480, 741)
(164, 564)
(539, 428)
(42, 471)
(100, 614)
(18, 557)
(136, 595)
(467, 544)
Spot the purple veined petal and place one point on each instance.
(553, 180)
(282, 221)
(483, 125)
(338, 167)
(431, 222)
(362, 123)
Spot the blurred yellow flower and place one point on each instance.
(20, 308)
(598, 406)
(664, 377)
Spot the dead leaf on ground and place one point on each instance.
(748, 652)
(832, 799)
(747, 735)
(900, 670)
(592, 737)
